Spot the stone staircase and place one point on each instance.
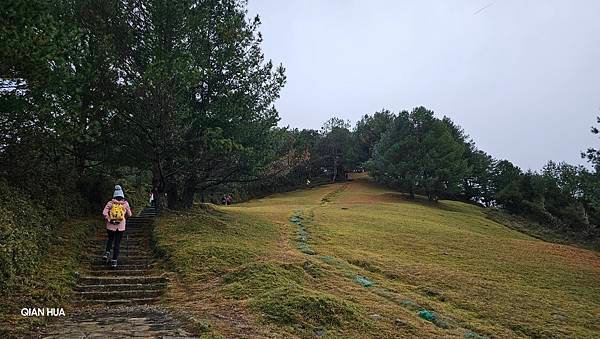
(136, 280)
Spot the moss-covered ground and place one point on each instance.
(52, 283)
(358, 260)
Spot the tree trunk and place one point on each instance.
(411, 191)
(172, 196)
(189, 190)
(158, 185)
(335, 168)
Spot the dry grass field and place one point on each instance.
(358, 260)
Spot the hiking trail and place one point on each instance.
(118, 302)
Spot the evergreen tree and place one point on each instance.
(200, 94)
(593, 154)
(420, 153)
(336, 146)
(368, 131)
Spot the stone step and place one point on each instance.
(93, 257)
(129, 252)
(109, 272)
(124, 253)
(100, 267)
(120, 287)
(133, 236)
(137, 233)
(94, 280)
(136, 301)
(146, 220)
(132, 241)
(124, 261)
(99, 248)
(117, 295)
(138, 228)
(144, 238)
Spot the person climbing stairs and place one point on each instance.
(136, 280)
(122, 301)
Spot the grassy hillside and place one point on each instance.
(52, 282)
(355, 259)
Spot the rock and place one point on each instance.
(375, 316)
(399, 322)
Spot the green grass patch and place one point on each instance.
(206, 244)
(300, 307)
(258, 277)
(280, 292)
(52, 282)
(203, 243)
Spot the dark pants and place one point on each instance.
(116, 236)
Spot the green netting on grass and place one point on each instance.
(303, 235)
(364, 281)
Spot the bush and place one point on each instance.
(24, 232)
(537, 212)
(575, 216)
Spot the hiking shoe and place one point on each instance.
(106, 255)
(113, 263)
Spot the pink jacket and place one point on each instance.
(120, 226)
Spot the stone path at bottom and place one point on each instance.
(142, 321)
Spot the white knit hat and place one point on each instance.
(118, 192)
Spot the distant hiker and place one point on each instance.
(227, 199)
(115, 212)
(308, 182)
(151, 202)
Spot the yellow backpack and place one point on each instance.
(116, 213)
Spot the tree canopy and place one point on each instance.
(177, 96)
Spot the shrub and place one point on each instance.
(24, 232)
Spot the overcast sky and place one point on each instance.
(521, 77)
